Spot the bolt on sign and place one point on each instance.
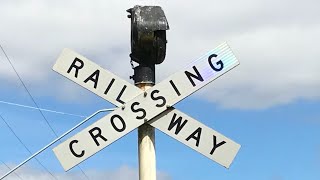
(153, 106)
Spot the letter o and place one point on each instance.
(114, 125)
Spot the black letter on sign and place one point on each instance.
(195, 135)
(93, 77)
(177, 122)
(122, 122)
(144, 113)
(94, 137)
(109, 86)
(218, 63)
(158, 98)
(175, 87)
(72, 151)
(215, 145)
(73, 65)
(121, 92)
(198, 76)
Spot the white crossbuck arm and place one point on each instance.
(137, 107)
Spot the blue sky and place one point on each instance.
(269, 104)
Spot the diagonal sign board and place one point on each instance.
(116, 95)
(197, 136)
(143, 107)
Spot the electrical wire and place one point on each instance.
(86, 176)
(10, 169)
(31, 97)
(56, 140)
(26, 89)
(47, 110)
(12, 131)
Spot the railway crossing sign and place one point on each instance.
(153, 106)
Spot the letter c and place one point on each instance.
(72, 151)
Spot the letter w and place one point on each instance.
(177, 122)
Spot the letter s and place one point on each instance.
(155, 98)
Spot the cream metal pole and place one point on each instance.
(146, 147)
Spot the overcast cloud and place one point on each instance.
(275, 41)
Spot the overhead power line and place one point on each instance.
(10, 169)
(12, 131)
(47, 110)
(56, 140)
(33, 100)
(26, 89)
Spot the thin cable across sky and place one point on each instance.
(34, 102)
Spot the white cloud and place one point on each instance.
(265, 77)
(276, 43)
(121, 173)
